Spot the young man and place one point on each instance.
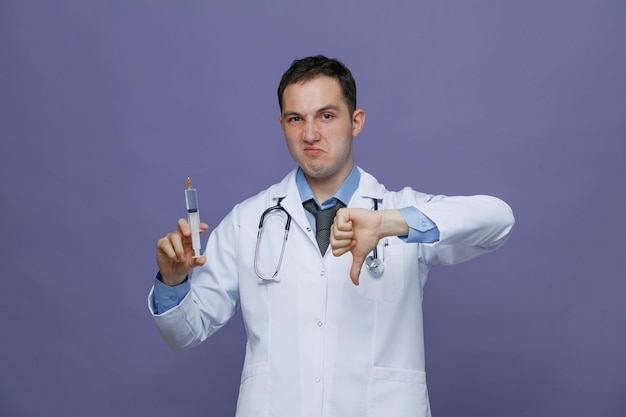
(329, 334)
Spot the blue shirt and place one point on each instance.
(421, 230)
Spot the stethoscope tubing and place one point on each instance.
(258, 242)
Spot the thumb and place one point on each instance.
(355, 270)
(199, 261)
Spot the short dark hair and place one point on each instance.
(308, 68)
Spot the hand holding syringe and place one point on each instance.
(178, 252)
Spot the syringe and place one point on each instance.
(193, 216)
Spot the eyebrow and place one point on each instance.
(320, 110)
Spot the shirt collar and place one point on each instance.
(343, 194)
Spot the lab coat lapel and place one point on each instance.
(369, 189)
(288, 191)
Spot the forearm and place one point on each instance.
(392, 224)
(469, 226)
(480, 220)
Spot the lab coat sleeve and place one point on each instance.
(214, 295)
(468, 227)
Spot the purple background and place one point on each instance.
(107, 106)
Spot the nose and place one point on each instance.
(309, 132)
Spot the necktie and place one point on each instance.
(323, 221)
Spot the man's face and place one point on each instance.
(319, 129)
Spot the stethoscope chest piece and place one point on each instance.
(374, 265)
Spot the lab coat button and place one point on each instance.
(317, 380)
(322, 273)
(320, 324)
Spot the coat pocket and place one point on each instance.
(253, 398)
(390, 283)
(398, 393)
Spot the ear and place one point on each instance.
(358, 120)
(280, 120)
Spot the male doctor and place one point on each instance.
(332, 330)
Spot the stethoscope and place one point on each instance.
(372, 263)
(272, 209)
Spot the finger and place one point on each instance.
(355, 270)
(340, 235)
(164, 246)
(183, 227)
(199, 261)
(341, 243)
(177, 244)
(338, 251)
(203, 227)
(342, 220)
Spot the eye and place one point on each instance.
(327, 116)
(294, 119)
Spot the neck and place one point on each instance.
(322, 191)
(325, 188)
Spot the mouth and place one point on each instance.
(312, 151)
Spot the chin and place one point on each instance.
(316, 171)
